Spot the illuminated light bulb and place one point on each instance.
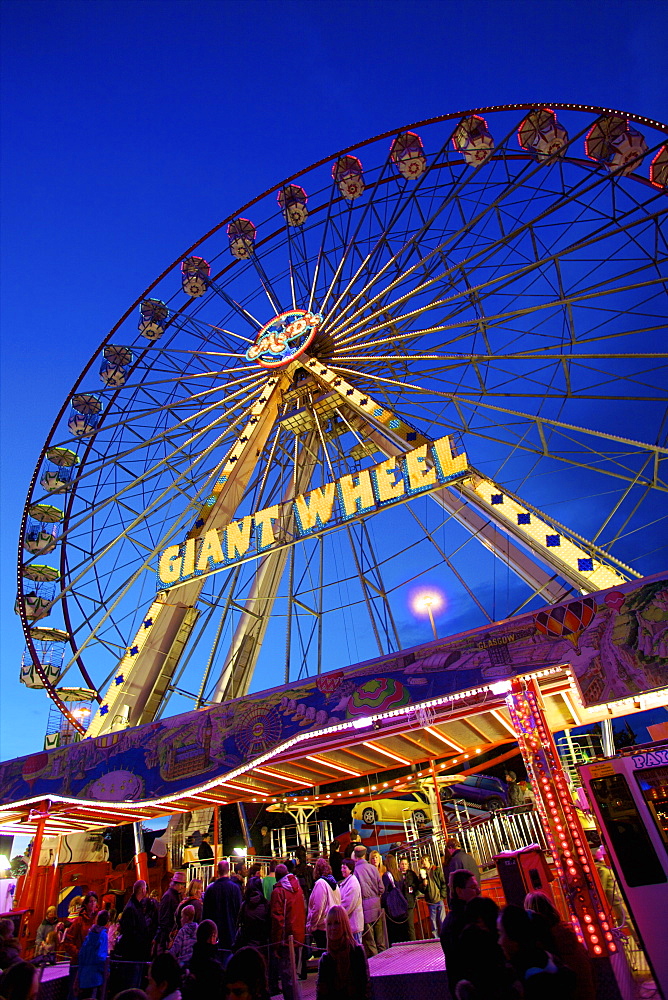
(598, 950)
(612, 947)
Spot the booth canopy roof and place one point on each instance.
(443, 701)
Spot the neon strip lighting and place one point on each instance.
(337, 767)
(81, 814)
(499, 718)
(247, 790)
(265, 758)
(394, 756)
(444, 739)
(571, 707)
(281, 776)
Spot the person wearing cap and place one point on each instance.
(167, 910)
(222, 902)
(288, 918)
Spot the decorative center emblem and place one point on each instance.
(284, 338)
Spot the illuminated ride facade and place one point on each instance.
(461, 321)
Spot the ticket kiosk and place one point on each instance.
(629, 796)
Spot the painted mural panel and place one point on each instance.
(615, 640)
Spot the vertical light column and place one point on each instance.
(586, 901)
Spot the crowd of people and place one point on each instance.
(248, 937)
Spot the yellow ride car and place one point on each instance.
(415, 804)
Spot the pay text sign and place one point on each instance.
(348, 498)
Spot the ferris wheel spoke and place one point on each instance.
(205, 331)
(545, 448)
(541, 422)
(492, 283)
(405, 273)
(483, 254)
(350, 245)
(182, 426)
(274, 301)
(198, 458)
(178, 380)
(385, 228)
(240, 310)
(493, 320)
(192, 398)
(323, 254)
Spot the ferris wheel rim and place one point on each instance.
(448, 117)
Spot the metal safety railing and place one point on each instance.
(506, 830)
(484, 836)
(206, 873)
(315, 835)
(576, 750)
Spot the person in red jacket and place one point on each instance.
(288, 918)
(76, 933)
(80, 926)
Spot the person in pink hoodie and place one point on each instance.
(324, 895)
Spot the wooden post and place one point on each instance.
(296, 991)
(216, 837)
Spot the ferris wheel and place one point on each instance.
(250, 473)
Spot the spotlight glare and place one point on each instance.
(425, 601)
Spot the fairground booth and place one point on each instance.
(423, 716)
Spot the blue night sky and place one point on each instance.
(131, 128)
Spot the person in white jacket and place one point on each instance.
(351, 898)
(325, 894)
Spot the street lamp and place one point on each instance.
(428, 601)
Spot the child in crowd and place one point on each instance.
(184, 942)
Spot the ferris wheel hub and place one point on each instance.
(284, 338)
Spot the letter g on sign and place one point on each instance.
(169, 568)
